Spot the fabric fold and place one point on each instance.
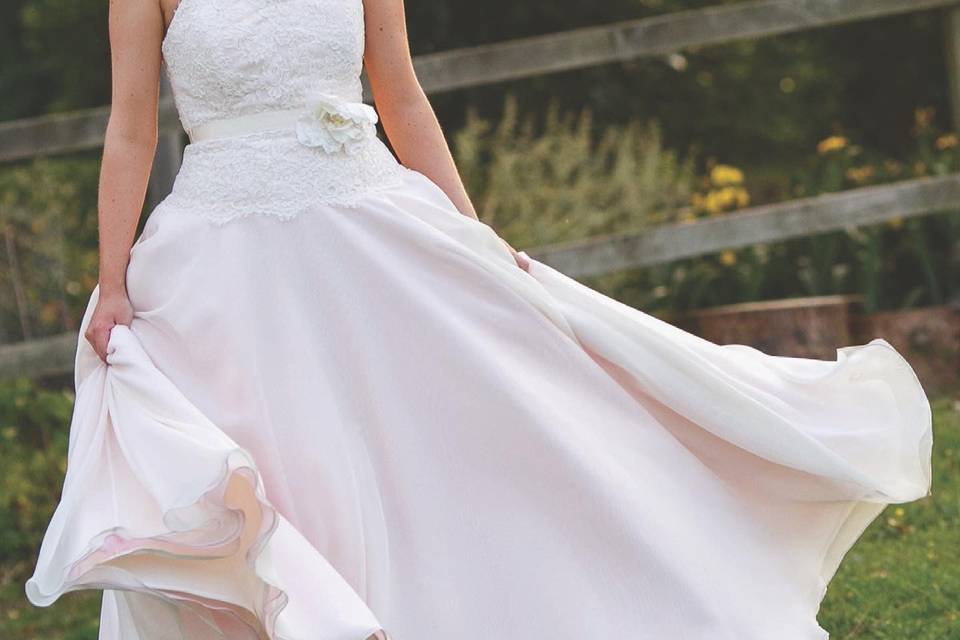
(852, 434)
(203, 537)
(839, 438)
(806, 414)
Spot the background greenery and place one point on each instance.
(617, 148)
(786, 93)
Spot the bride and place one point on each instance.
(317, 398)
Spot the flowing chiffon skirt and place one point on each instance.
(369, 417)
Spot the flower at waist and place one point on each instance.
(336, 125)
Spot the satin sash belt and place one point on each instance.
(325, 121)
(242, 125)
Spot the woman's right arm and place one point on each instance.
(136, 31)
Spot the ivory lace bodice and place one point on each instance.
(230, 58)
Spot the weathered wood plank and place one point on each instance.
(526, 57)
(485, 64)
(66, 132)
(770, 223)
(55, 133)
(951, 25)
(35, 358)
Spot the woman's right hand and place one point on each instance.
(112, 308)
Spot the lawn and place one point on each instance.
(901, 581)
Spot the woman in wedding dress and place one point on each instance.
(317, 399)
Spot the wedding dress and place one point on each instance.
(341, 406)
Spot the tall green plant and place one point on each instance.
(560, 179)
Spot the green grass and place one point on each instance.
(901, 581)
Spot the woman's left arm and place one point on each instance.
(403, 107)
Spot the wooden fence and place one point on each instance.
(575, 49)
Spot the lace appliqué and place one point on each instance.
(273, 174)
(232, 58)
(227, 58)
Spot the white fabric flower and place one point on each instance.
(336, 125)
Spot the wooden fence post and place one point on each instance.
(166, 162)
(952, 46)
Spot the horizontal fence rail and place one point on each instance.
(42, 357)
(67, 132)
(523, 58)
(768, 223)
(656, 36)
(606, 254)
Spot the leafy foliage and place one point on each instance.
(564, 181)
(33, 445)
(33, 456)
(756, 103)
(49, 245)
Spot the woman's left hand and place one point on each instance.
(521, 261)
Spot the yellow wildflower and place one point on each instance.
(895, 223)
(860, 174)
(727, 197)
(728, 258)
(833, 143)
(712, 203)
(899, 512)
(947, 141)
(724, 174)
(743, 198)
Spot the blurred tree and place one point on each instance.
(19, 76)
(54, 56)
(761, 104)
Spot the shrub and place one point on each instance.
(564, 180)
